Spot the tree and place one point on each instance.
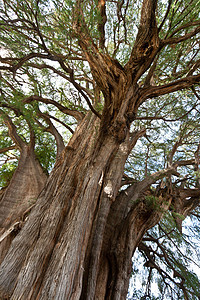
(125, 71)
(17, 200)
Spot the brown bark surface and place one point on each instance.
(21, 194)
(77, 232)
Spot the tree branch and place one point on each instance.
(52, 129)
(14, 68)
(59, 121)
(79, 89)
(135, 136)
(74, 113)
(54, 57)
(166, 15)
(102, 22)
(12, 130)
(147, 41)
(173, 151)
(63, 75)
(18, 113)
(185, 37)
(132, 192)
(155, 91)
(3, 150)
(151, 263)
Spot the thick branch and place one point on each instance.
(132, 192)
(155, 91)
(76, 114)
(176, 40)
(105, 71)
(16, 110)
(135, 136)
(18, 113)
(59, 140)
(3, 150)
(130, 195)
(194, 67)
(12, 130)
(151, 72)
(14, 68)
(186, 193)
(148, 19)
(156, 176)
(182, 163)
(147, 41)
(102, 22)
(173, 151)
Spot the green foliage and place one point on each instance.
(6, 173)
(152, 202)
(175, 255)
(45, 151)
(177, 215)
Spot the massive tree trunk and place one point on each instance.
(77, 233)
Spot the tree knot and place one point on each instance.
(119, 130)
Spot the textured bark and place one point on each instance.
(78, 241)
(77, 232)
(129, 218)
(71, 195)
(69, 219)
(21, 193)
